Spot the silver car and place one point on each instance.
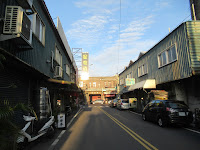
(99, 101)
(123, 104)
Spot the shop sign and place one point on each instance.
(85, 62)
(130, 81)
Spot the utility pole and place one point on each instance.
(77, 54)
(195, 9)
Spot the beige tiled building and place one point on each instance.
(99, 88)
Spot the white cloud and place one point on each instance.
(101, 32)
(162, 4)
(87, 31)
(97, 6)
(106, 62)
(129, 47)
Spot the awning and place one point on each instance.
(60, 81)
(146, 84)
(110, 95)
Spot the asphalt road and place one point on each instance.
(99, 127)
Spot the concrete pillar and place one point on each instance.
(180, 92)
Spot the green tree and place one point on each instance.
(9, 130)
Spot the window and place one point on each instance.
(90, 85)
(121, 82)
(167, 56)
(159, 104)
(94, 84)
(38, 27)
(58, 57)
(173, 53)
(129, 75)
(152, 103)
(109, 84)
(142, 70)
(67, 69)
(164, 59)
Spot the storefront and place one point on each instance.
(139, 91)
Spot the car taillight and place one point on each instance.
(171, 110)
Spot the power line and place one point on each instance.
(119, 38)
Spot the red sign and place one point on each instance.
(110, 95)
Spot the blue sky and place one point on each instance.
(93, 25)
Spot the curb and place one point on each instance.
(79, 111)
(190, 128)
(63, 131)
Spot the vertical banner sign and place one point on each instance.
(85, 62)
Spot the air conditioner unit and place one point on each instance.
(58, 72)
(16, 22)
(17, 25)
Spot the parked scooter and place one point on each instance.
(35, 128)
(44, 127)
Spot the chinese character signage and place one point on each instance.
(130, 81)
(85, 62)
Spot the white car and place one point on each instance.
(123, 104)
(110, 101)
(99, 101)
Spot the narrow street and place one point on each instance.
(100, 127)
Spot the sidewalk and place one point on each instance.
(45, 143)
(193, 127)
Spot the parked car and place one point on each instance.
(123, 104)
(133, 103)
(166, 112)
(98, 101)
(109, 102)
(114, 103)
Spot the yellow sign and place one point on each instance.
(85, 56)
(85, 69)
(85, 62)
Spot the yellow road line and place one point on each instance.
(138, 138)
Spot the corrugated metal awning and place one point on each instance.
(146, 84)
(60, 81)
(110, 95)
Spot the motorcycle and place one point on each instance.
(34, 129)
